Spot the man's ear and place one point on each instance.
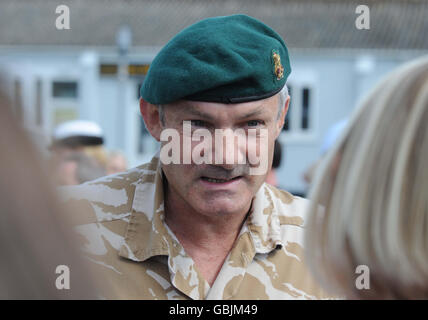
(151, 117)
(281, 120)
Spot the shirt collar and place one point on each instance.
(263, 222)
(146, 235)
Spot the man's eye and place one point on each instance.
(254, 123)
(198, 123)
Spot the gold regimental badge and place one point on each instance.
(278, 68)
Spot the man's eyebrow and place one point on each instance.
(253, 113)
(207, 116)
(198, 113)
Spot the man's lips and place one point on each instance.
(220, 180)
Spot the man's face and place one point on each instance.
(220, 189)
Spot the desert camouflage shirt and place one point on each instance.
(136, 255)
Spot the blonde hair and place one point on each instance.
(98, 153)
(370, 197)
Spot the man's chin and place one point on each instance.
(223, 207)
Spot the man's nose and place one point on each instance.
(229, 149)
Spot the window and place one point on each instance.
(65, 104)
(134, 69)
(108, 69)
(64, 89)
(300, 118)
(305, 123)
(288, 116)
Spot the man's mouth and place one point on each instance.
(216, 180)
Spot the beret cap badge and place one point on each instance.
(278, 68)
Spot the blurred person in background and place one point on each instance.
(34, 229)
(77, 168)
(370, 198)
(76, 136)
(116, 162)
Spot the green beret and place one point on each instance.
(230, 59)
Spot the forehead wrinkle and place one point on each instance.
(253, 113)
(194, 110)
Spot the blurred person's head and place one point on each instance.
(116, 162)
(75, 135)
(370, 198)
(70, 140)
(77, 168)
(34, 232)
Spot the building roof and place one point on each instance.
(311, 24)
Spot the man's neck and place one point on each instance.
(205, 232)
(206, 239)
